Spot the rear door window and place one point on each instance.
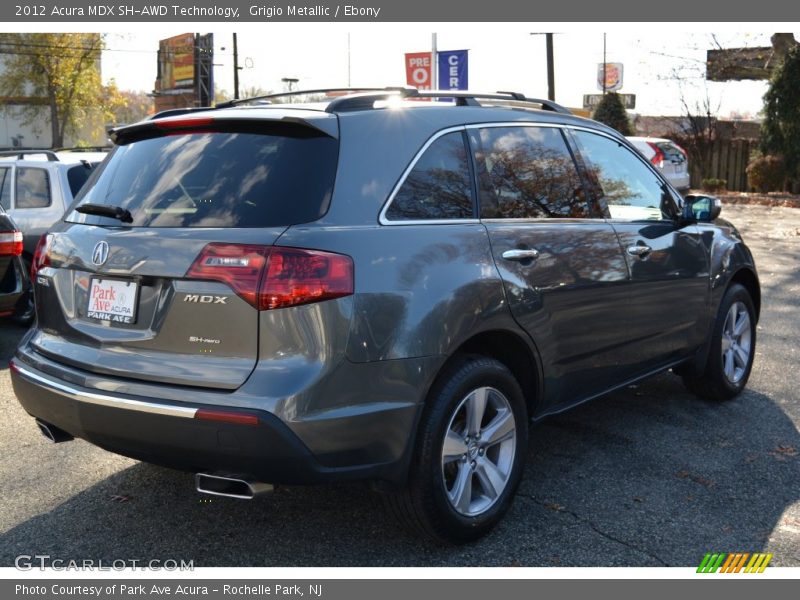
(527, 173)
(32, 188)
(217, 179)
(439, 186)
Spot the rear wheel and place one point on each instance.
(469, 455)
(733, 345)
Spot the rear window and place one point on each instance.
(217, 179)
(77, 176)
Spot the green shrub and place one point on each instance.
(766, 173)
(712, 184)
(611, 111)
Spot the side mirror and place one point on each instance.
(701, 208)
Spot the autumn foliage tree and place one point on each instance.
(62, 71)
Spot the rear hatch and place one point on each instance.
(674, 158)
(168, 290)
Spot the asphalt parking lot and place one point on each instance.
(650, 476)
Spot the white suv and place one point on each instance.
(666, 156)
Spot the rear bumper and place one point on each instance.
(679, 182)
(168, 433)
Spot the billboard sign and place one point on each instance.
(419, 70)
(176, 62)
(453, 70)
(613, 76)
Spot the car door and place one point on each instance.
(32, 206)
(667, 314)
(560, 261)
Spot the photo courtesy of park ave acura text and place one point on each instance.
(294, 285)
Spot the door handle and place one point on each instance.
(521, 254)
(641, 251)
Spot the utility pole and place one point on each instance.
(551, 76)
(551, 71)
(235, 68)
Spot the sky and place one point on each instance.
(664, 64)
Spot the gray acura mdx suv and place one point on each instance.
(375, 287)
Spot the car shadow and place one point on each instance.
(648, 476)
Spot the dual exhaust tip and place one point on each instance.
(231, 486)
(227, 486)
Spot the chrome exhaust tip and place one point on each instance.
(230, 486)
(53, 433)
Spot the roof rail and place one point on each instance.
(351, 99)
(20, 154)
(339, 90)
(366, 101)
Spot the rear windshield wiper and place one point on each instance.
(106, 210)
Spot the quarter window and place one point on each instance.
(33, 188)
(631, 190)
(439, 186)
(527, 173)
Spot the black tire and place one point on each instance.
(25, 310)
(424, 506)
(713, 383)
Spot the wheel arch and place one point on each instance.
(512, 349)
(749, 280)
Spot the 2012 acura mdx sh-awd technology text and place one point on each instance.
(373, 288)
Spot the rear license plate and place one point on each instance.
(112, 300)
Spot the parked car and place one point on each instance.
(668, 157)
(14, 282)
(36, 186)
(374, 288)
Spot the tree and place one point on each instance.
(780, 131)
(612, 112)
(130, 107)
(61, 69)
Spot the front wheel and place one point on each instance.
(733, 347)
(469, 455)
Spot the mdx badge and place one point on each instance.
(100, 253)
(198, 299)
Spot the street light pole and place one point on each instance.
(604, 63)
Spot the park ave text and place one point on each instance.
(174, 11)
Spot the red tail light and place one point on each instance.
(184, 123)
(658, 159)
(41, 256)
(270, 277)
(10, 243)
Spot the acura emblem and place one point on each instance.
(100, 253)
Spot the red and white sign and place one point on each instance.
(419, 70)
